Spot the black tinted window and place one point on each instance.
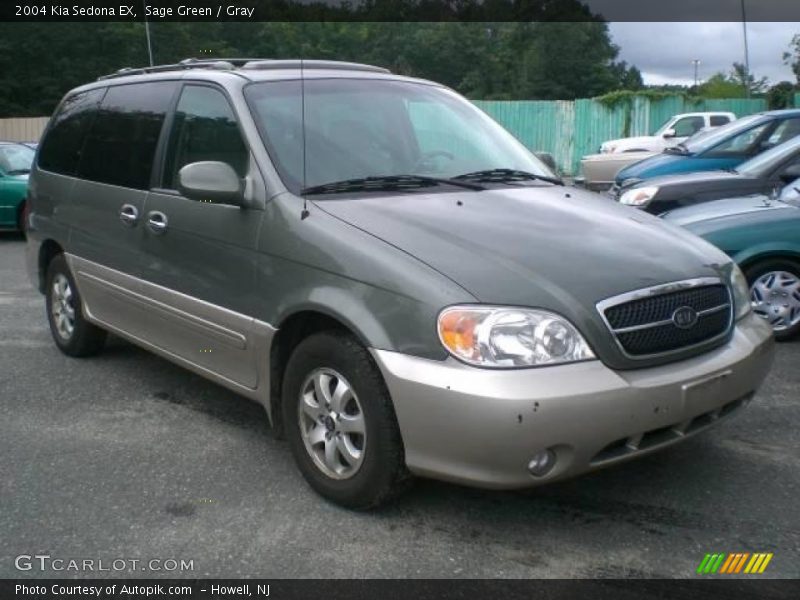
(718, 120)
(123, 138)
(61, 147)
(204, 129)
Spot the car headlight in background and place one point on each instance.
(638, 196)
(604, 149)
(489, 336)
(741, 292)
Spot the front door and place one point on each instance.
(199, 257)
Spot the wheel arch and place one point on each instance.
(48, 250)
(292, 329)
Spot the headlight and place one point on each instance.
(604, 149)
(510, 337)
(638, 196)
(741, 293)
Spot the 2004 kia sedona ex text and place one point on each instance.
(404, 287)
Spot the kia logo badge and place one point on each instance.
(684, 317)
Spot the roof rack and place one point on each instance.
(294, 63)
(229, 64)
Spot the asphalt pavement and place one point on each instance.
(127, 456)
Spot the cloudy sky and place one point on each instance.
(664, 51)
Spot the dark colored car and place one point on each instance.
(723, 148)
(759, 175)
(762, 234)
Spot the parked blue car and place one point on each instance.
(719, 149)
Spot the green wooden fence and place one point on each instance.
(570, 130)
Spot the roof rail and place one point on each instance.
(189, 63)
(311, 64)
(228, 64)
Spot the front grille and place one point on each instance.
(644, 326)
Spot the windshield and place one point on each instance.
(16, 159)
(358, 128)
(760, 165)
(791, 193)
(713, 137)
(664, 126)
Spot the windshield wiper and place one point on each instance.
(19, 171)
(506, 176)
(387, 183)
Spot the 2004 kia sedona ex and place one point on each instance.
(403, 286)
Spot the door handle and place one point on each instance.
(157, 221)
(129, 214)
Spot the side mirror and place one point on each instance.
(211, 181)
(669, 133)
(548, 160)
(791, 173)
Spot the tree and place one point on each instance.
(748, 81)
(792, 58)
(781, 95)
(720, 85)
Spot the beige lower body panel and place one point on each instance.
(229, 348)
(482, 426)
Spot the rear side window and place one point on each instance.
(61, 147)
(123, 138)
(717, 120)
(204, 128)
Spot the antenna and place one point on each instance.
(304, 213)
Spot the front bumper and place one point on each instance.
(482, 427)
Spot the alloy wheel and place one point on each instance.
(332, 424)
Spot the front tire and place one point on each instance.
(340, 422)
(72, 333)
(775, 293)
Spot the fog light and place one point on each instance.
(542, 463)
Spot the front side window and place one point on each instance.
(15, 159)
(122, 141)
(205, 128)
(358, 128)
(745, 143)
(688, 126)
(62, 144)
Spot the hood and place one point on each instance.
(643, 141)
(699, 177)
(650, 166)
(730, 209)
(550, 247)
(20, 178)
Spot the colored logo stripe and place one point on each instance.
(734, 563)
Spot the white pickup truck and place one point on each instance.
(676, 130)
(598, 170)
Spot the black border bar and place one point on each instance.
(741, 588)
(400, 10)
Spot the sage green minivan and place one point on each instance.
(404, 286)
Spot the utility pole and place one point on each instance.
(147, 34)
(696, 63)
(746, 53)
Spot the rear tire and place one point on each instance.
(775, 292)
(72, 333)
(340, 422)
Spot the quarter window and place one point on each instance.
(204, 128)
(123, 138)
(62, 144)
(718, 120)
